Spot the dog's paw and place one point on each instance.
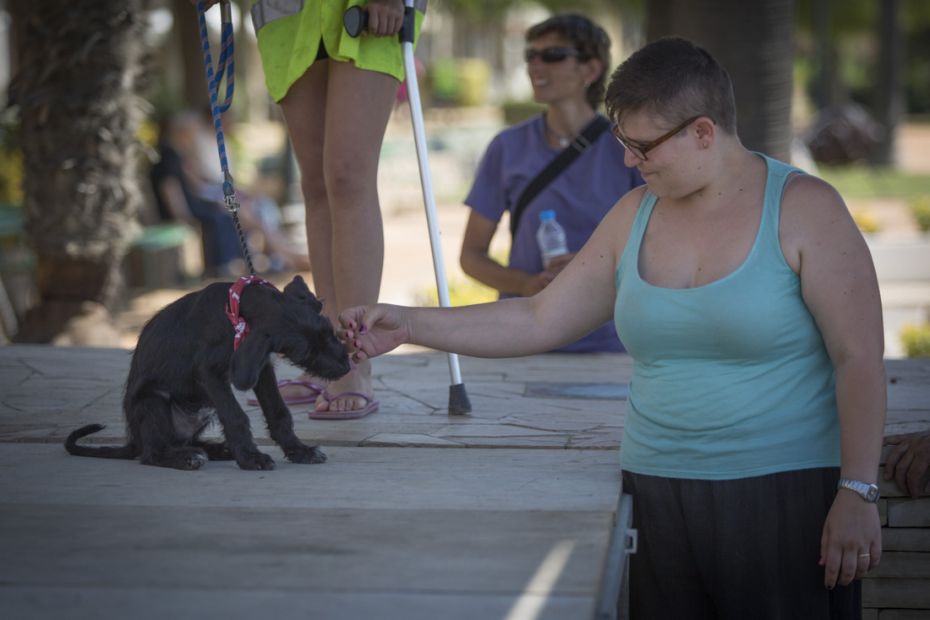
(196, 460)
(187, 459)
(305, 455)
(255, 460)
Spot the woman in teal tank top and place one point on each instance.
(747, 299)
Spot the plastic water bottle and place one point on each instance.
(551, 237)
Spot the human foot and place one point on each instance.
(370, 406)
(350, 394)
(300, 391)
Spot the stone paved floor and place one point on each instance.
(395, 525)
(506, 513)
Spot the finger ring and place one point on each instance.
(865, 555)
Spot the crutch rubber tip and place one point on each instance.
(458, 400)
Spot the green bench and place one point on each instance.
(164, 256)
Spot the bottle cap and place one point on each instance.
(546, 215)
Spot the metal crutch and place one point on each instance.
(355, 21)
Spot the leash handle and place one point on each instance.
(225, 68)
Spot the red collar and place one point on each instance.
(232, 307)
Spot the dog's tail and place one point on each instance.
(123, 452)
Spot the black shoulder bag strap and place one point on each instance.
(570, 153)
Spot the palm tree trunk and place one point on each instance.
(79, 69)
(754, 41)
(889, 91)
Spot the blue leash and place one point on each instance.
(225, 65)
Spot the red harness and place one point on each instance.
(232, 307)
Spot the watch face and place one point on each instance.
(868, 492)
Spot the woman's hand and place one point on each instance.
(368, 331)
(557, 264)
(385, 17)
(909, 462)
(852, 539)
(537, 282)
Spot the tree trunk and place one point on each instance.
(79, 68)
(187, 29)
(827, 85)
(754, 42)
(889, 90)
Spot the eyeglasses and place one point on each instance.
(550, 55)
(641, 148)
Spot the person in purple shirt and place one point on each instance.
(567, 60)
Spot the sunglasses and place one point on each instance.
(641, 148)
(550, 55)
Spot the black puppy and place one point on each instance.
(185, 360)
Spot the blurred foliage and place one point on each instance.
(848, 16)
(866, 221)
(916, 340)
(11, 160)
(444, 85)
(519, 111)
(478, 9)
(920, 210)
(852, 29)
(864, 182)
(462, 292)
(496, 9)
(474, 77)
(459, 81)
(576, 6)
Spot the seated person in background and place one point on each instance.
(260, 214)
(177, 200)
(567, 61)
(187, 169)
(909, 462)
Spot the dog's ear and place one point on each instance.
(298, 289)
(249, 359)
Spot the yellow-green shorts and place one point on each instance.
(292, 31)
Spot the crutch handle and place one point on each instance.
(355, 20)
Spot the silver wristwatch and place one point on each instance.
(868, 492)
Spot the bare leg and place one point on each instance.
(336, 116)
(359, 105)
(304, 109)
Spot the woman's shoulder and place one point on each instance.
(519, 132)
(517, 143)
(624, 211)
(809, 198)
(812, 212)
(613, 232)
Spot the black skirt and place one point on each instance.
(735, 549)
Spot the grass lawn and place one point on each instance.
(864, 182)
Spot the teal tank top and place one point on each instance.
(730, 379)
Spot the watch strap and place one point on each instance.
(865, 490)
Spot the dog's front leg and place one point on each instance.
(280, 423)
(235, 426)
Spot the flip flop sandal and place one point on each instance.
(313, 390)
(371, 406)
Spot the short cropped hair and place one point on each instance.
(675, 79)
(588, 38)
